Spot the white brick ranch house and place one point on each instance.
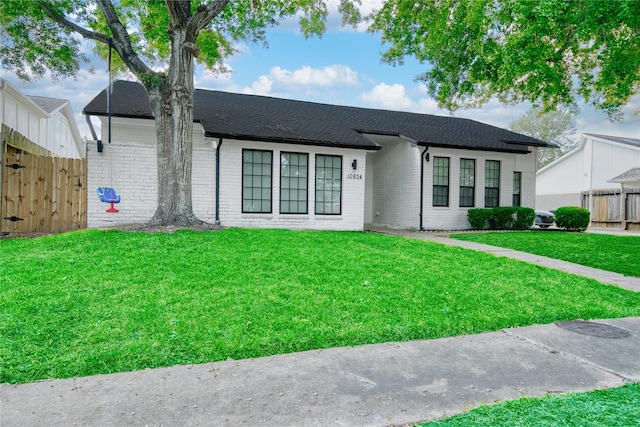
(293, 164)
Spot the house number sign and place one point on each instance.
(354, 176)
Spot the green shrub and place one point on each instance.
(478, 218)
(524, 218)
(503, 218)
(572, 218)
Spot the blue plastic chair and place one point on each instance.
(108, 195)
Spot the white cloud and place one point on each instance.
(262, 86)
(429, 106)
(280, 80)
(391, 97)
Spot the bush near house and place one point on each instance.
(524, 218)
(572, 218)
(479, 217)
(501, 218)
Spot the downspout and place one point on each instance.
(109, 92)
(218, 181)
(422, 160)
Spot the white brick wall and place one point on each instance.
(389, 190)
(129, 164)
(394, 174)
(454, 217)
(352, 217)
(395, 185)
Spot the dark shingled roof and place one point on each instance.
(261, 118)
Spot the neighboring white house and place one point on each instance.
(38, 125)
(268, 162)
(590, 166)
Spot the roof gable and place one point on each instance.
(262, 118)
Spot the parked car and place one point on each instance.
(544, 219)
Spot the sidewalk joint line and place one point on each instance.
(563, 353)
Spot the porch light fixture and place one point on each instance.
(354, 164)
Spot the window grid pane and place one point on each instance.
(256, 181)
(328, 185)
(467, 183)
(440, 181)
(491, 183)
(293, 183)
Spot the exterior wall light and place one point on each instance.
(354, 164)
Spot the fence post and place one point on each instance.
(623, 208)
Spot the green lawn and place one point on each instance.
(617, 407)
(92, 302)
(620, 254)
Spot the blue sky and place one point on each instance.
(343, 67)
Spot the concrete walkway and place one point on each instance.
(608, 277)
(372, 385)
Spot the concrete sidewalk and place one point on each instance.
(603, 276)
(373, 385)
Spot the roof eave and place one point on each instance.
(291, 141)
(534, 143)
(125, 116)
(474, 148)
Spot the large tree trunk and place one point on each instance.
(171, 101)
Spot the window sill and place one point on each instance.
(257, 215)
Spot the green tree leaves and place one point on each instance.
(549, 52)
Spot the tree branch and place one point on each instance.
(122, 42)
(204, 16)
(61, 20)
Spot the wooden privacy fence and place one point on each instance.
(43, 194)
(613, 208)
